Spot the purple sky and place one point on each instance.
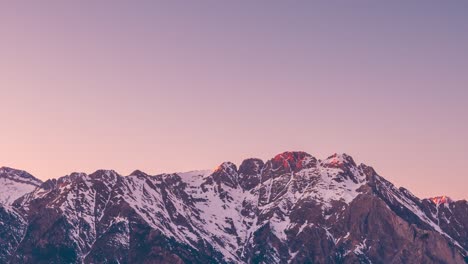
(181, 86)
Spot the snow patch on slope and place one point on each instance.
(14, 184)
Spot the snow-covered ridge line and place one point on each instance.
(15, 183)
(229, 210)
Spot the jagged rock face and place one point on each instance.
(12, 228)
(293, 208)
(450, 215)
(250, 173)
(287, 162)
(226, 174)
(86, 218)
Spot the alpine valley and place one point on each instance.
(293, 208)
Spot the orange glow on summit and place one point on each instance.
(440, 200)
(290, 160)
(335, 161)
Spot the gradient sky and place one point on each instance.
(175, 86)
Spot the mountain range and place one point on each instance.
(293, 208)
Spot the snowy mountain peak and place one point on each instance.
(15, 183)
(76, 175)
(108, 173)
(227, 166)
(293, 161)
(19, 175)
(109, 176)
(138, 173)
(226, 174)
(290, 209)
(339, 161)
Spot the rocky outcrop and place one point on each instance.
(250, 173)
(293, 208)
(12, 228)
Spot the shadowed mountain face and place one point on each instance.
(293, 208)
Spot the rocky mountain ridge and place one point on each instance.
(15, 183)
(293, 208)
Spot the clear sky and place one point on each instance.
(175, 86)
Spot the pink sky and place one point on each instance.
(176, 87)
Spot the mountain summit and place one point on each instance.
(15, 183)
(293, 208)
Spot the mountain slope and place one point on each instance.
(15, 183)
(293, 208)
